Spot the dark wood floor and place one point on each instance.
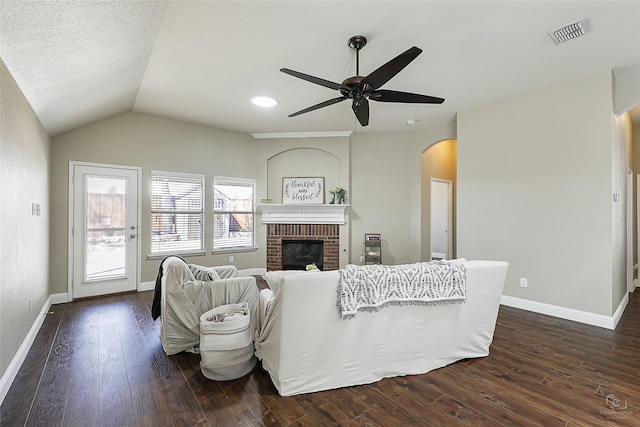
(100, 362)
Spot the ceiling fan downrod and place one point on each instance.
(356, 43)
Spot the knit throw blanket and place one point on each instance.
(372, 287)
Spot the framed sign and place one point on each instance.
(308, 189)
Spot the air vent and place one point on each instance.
(569, 31)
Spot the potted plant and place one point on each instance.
(338, 195)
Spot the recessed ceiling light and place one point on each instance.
(411, 122)
(264, 101)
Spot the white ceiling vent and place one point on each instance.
(569, 31)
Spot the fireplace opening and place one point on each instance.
(297, 254)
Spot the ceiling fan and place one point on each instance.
(362, 89)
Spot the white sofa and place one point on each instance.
(305, 346)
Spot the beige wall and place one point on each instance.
(385, 191)
(150, 142)
(535, 189)
(24, 238)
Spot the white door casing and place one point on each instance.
(104, 214)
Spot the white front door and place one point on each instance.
(104, 229)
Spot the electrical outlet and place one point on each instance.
(361, 259)
(523, 282)
(231, 258)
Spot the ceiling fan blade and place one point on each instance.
(386, 72)
(312, 79)
(411, 98)
(320, 105)
(361, 109)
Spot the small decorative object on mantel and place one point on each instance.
(338, 195)
(311, 267)
(303, 190)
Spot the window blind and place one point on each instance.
(177, 212)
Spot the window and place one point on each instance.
(233, 206)
(177, 212)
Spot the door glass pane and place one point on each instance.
(105, 252)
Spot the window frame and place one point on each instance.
(156, 249)
(226, 180)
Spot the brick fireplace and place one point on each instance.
(329, 234)
(304, 222)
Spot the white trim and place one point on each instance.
(13, 368)
(620, 310)
(60, 298)
(147, 286)
(302, 214)
(329, 134)
(609, 322)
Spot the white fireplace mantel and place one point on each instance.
(302, 213)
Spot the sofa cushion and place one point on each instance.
(203, 273)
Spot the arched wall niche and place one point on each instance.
(301, 162)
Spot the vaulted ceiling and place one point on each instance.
(78, 62)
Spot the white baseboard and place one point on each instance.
(147, 286)
(13, 368)
(59, 298)
(586, 317)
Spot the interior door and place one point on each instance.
(441, 219)
(104, 230)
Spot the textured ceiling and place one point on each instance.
(82, 61)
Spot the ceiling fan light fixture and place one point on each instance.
(264, 101)
(569, 31)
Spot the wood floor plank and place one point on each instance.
(50, 398)
(83, 396)
(554, 401)
(506, 408)
(99, 361)
(148, 402)
(202, 387)
(591, 401)
(183, 408)
(17, 404)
